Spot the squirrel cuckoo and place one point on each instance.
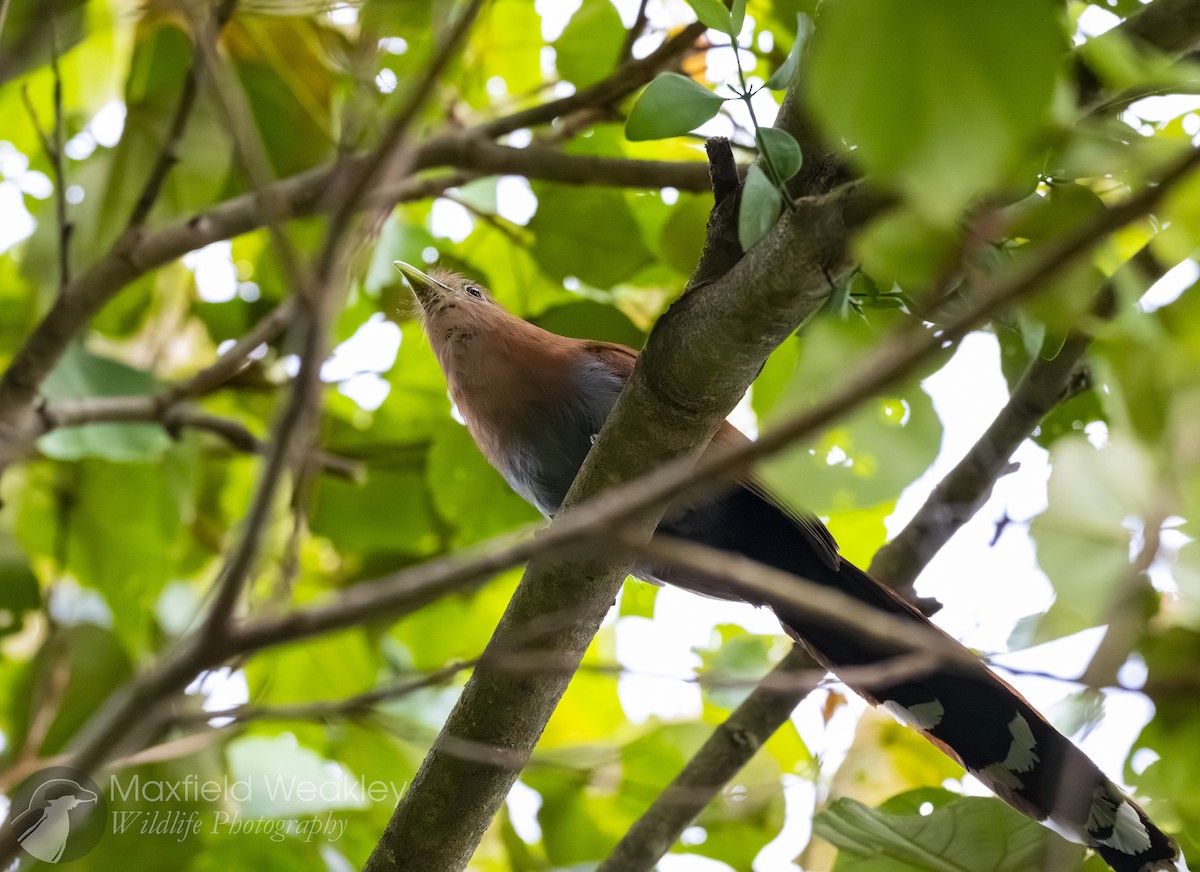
(533, 402)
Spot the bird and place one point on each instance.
(534, 400)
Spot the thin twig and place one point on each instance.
(351, 707)
(168, 154)
(149, 409)
(392, 159)
(59, 163)
(963, 491)
(776, 587)
(491, 219)
(3, 15)
(1127, 617)
(236, 357)
(635, 31)
(626, 79)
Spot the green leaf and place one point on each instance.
(971, 833)
(571, 242)
(760, 208)
(1061, 208)
(472, 615)
(391, 513)
(712, 13)
(637, 598)
(901, 247)
(468, 493)
(871, 455)
(782, 77)
(337, 666)
(289, 87)
(942, 97)
(509, 36)
(285, 779)
(682, 237)
(781, 148)
(589, 45)
(738, 660)
(588, 319)
(590, 712)
(82, 374)
(670, 105)
(737, 17)
(19, 592)
(125, 535)
(92, 662)
(1082, 540)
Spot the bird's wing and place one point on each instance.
(618, 358)
(621, 359)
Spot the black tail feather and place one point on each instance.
(973, 715)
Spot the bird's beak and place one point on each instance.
(426, 287)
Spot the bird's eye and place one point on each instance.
(474, 291)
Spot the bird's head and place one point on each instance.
(447, 299)
(460, 317)
(439, 292)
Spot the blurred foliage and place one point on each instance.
(111, 534)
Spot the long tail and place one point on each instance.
(973, 715)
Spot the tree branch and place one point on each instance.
(236, 357)
(149, 409)
(968, 486)
(168, 154)
(351, 707)
(1127, 613)
(727, 749)
(828, 604)
(626, 79)
(59, 163)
